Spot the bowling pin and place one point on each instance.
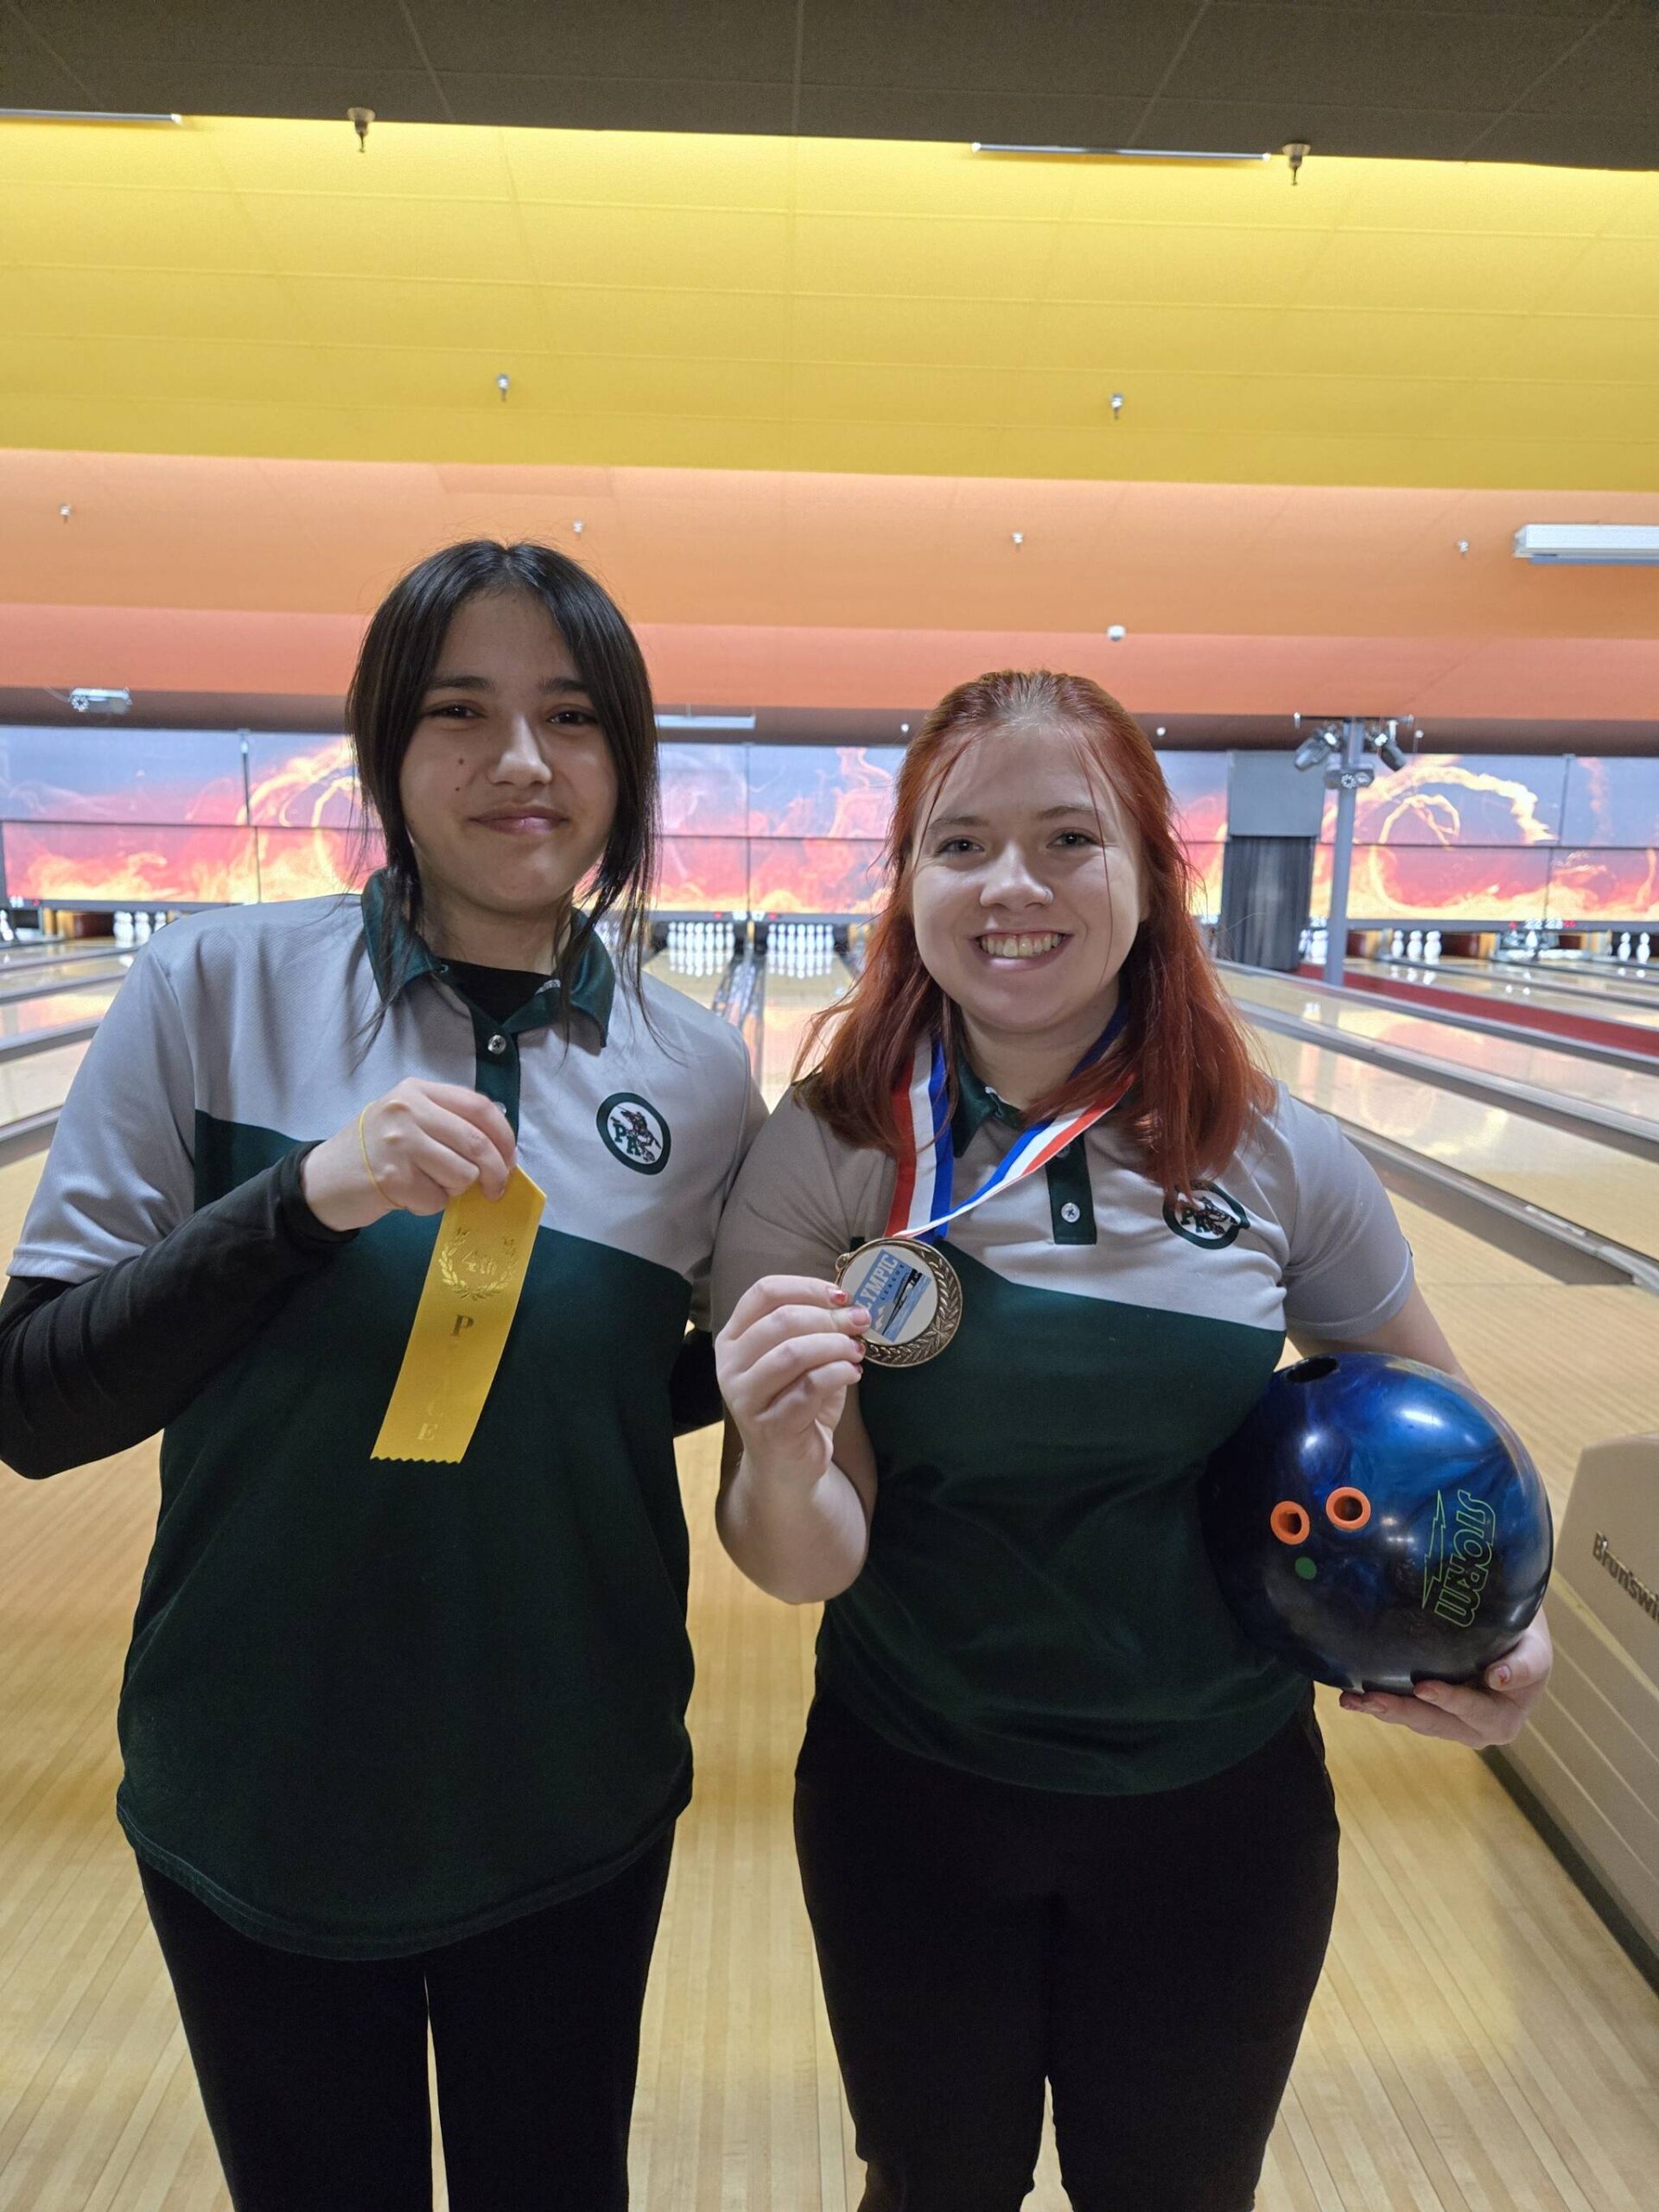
(1431, 946)
(1643, 946)
(1414, 945)
(1399, 944)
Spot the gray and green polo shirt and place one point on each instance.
(1037, 1606)
(373, 1706)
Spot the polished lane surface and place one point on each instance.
(1541, 1064)
(1491, 993)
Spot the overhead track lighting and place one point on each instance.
(1121, 153)
(79, 115)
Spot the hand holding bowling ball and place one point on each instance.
(1377, 1525)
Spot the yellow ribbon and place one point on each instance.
(468, 1301)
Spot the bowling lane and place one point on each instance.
(38, 1082)
(1608, 1193)
(22, 963)
(57, 1009)
(71, 976)
(791, 1001)
(1542, 1065)
(1495, 989)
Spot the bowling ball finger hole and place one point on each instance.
(1348, 1508)
(1311, 1370)
(1290, 1522)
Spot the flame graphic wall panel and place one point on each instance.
(126, 864)
(160, 817)
(1601, 884)
(1450, 799)
(303, 783)
(1198, 785)
(822, 791)
(310, 863)
(705, 789)
(118, 775)
(814, 875)
(1611, 802)
(701, 873)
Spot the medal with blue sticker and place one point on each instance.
(908, 1287)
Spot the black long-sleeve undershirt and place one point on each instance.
(90, 1368)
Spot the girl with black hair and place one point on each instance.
(403, 1736)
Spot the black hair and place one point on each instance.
(394, 672)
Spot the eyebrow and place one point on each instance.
(563, 686)
(1048, 814)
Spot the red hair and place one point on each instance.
(1196, 1087)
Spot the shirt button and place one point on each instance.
(497, 1046)
(1071, 1211)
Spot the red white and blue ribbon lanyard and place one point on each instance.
(924, 1193)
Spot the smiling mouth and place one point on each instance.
(522, 825)
(1031, 944)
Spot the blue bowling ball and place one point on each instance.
(1377, 1524)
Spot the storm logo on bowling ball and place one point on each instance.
(1375, 1523)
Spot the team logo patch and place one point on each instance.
(635, 1132)
(1209, 1218)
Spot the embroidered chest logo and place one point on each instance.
(635, 1132)
(1209, 1218)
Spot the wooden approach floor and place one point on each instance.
(1478, 2044)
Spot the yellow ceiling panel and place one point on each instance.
(88, 226)
(360, 311)
(1414, 272)
(735, 326)
(694, 301)
(1611, 277)
(124, 303)
(868, 176)
(1236, 264)
(918, 258)
(640, 169)
(259, 154)
(827, 326)
(334, 234)
(725, 249)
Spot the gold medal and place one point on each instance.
(468, 1301)
(911, 1294)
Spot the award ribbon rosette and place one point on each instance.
(468, 1301)
(909, 1286)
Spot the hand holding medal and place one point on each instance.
(907, 1284)
(786, 1360)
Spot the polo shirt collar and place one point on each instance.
(977, 1104)
(398, 955)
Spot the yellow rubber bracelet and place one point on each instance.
(363, 1147)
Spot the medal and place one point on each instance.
(909, 1288)
(912, 1296)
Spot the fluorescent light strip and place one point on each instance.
(1121, 153)
(78, 115)
(705, 721)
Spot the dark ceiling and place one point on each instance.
(1563, 81)
(28, 705)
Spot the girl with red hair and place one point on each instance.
(994, 1279)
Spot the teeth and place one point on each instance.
(1019, 948)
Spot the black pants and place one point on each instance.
(313, 2071)
(1153, 1957)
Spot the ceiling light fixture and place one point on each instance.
(688, 721)
(1121, 153)
(79, 115)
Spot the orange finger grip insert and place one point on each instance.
(1350, 1509)
(1289, 1522)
